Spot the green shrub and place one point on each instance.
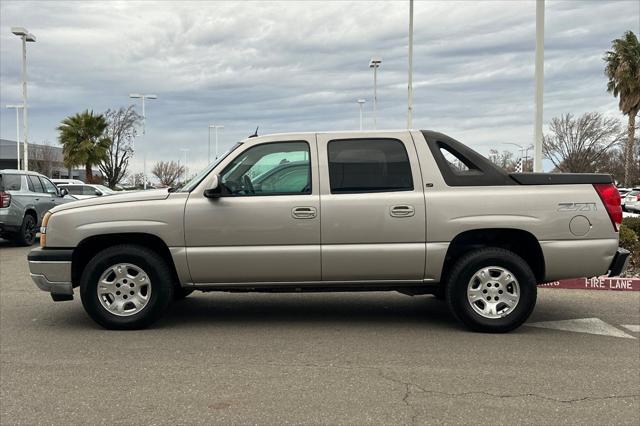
(629, 241)
(628, 238)
(632, 223)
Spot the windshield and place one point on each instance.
(187, 187)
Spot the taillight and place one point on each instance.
(611, 199)
(638, 197)
(5, 199)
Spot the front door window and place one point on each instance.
(281, 168)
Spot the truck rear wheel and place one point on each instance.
(491, 290)
(126, 287)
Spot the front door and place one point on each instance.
(266, 225)
(373, 208)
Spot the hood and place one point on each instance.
(150, 195)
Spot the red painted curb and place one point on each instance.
(596, 283)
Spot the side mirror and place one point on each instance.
(215, 191)
(64, 192)
(98, 193)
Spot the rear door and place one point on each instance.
(373, 209)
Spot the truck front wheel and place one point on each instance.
(491, 290)
(126, 287)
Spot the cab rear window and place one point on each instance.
(10, 182)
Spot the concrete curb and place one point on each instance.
(596, 283)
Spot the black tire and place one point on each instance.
(460, 277)
(440, 294)
(180, 292)
(146, 259)
(26, 235)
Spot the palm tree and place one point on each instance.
(623, 70)
(83, 140)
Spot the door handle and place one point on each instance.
(402, 211)
(303, 212)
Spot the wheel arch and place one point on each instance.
(90, 246)
(522, 243)
(31, 211)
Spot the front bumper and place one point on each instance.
(619, 263)
(51, 271)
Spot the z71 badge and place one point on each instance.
(577, 207)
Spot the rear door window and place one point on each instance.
(34, 184)
(368, 165)
(73, 189)
(89, 190)
(10, 182)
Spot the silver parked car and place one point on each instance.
(631, 201)
(87, 190)
(24, 199)
(336, 211)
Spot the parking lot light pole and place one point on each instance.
(215, 127)
(361, 103)
(539, 79)
(26, 37)
(375, 64)
(410, 82)
(144, 127)
(17, 108)
(524, 152)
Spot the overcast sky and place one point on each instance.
(300, 66)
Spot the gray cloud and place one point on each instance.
(299, 66)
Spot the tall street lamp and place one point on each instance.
(410, 83)
(215, 127)
(144, 97)
(375, 64)
(361, 103)
(26, 36)
(539, 77)
(17, 108)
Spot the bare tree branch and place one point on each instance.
(168, 172)
(121, 130)
(579, 145)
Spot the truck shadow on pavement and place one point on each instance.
(344, 309)
(330, 309)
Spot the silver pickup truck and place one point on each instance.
(410, 211)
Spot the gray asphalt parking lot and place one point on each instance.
(334, 358)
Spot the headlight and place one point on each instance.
(43, 229)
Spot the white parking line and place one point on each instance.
(583, 325)
(633, 327)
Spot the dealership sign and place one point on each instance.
(597, 283)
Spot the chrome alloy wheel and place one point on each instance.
(493, 292)
(124, 289)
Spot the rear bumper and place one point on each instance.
(6, 228)
(577, 258)
(51, 270)
(619, 263)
